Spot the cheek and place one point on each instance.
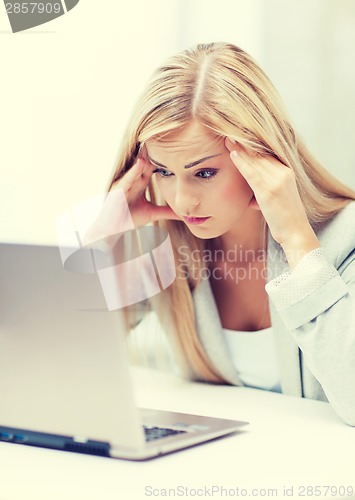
(164, 189)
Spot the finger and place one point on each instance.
(249, 158)
(247, 169)
(143, 153)
(270, 174)
(230, 143)
(136, 180)
(127, 180)
(143, 178)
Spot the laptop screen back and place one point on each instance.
(63, 364)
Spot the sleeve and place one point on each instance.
(317, 304)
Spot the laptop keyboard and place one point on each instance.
(152, 433)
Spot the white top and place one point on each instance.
(254, 357)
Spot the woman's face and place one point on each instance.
(199, 181)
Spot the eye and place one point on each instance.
(163, 172)
(207, 173)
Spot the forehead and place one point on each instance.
(190, 143)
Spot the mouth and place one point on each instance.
(195, 220)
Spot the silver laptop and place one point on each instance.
(64, 371)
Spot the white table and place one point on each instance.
(290, 443)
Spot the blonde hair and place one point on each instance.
(223, 88)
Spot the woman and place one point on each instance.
(263, 236)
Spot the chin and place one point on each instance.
(205, 234)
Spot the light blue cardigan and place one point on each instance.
(312, 315)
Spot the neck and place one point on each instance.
(247, 237)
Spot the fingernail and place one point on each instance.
(234, 154)
(232, 140)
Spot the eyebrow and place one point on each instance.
(189, 165)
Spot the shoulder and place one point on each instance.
(337, 235)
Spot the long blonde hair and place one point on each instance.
(223, 88)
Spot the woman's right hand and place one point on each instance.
(126, 205)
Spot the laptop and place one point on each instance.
(65, 378)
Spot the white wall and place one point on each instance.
(308, 51)
(67, 88)
(235, 21)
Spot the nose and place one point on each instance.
(186, 198)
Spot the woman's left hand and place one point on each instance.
(276, 195)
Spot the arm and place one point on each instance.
(316, 301)
(317, 304)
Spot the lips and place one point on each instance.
(195, 220)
